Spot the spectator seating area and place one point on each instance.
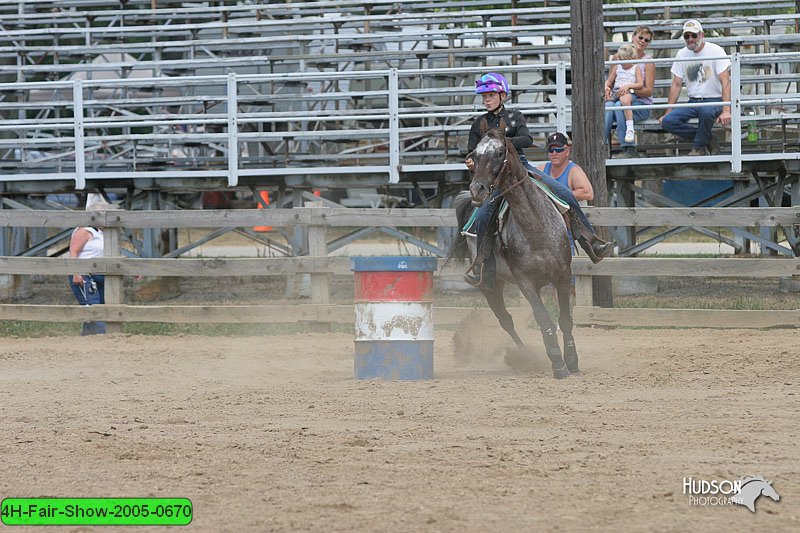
(332, 94)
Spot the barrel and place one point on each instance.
(394, 317)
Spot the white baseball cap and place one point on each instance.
(692, 26)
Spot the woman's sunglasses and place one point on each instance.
(556, 150)
(645, 39)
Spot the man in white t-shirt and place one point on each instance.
(708, 79)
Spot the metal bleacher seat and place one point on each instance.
(311, 84)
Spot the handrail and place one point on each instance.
(234, 89)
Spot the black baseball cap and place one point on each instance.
(558, 139)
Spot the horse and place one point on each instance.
(533, 249)
(752, 488)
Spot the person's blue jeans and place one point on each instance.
(617, 116)
(676, 122)
(86, 296)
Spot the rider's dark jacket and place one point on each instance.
(510, 120)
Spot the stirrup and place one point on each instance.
(476, 280)
(588, 248)
(473, 280)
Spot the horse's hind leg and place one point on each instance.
(548, 329)
(563, 290)
(497, 303)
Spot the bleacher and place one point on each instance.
(196, 95)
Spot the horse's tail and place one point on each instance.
(459, 248)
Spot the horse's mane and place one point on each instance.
(515, 169)
(748, 479)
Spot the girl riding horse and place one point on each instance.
(494, 90)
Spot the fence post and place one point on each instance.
(318, 247)
(113, 290)
(583, 291)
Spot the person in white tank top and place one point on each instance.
(87, 243)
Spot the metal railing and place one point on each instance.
(230, 126)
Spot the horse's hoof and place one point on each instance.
(571, 357)
(572, 366)
(561, 373)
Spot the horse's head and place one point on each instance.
(770, 492)
(490, 159)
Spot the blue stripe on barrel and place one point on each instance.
(394, 360)
(394, 323)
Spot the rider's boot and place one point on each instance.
(475, 279)
(595, 247)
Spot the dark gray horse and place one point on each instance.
(533, 249)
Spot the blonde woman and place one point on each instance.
(638, 95)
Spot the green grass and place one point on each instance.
(12, 328)
(736, 303)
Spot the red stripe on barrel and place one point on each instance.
(414, 286)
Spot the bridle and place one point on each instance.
(496, 180)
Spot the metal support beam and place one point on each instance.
(80, 156)
(233, 132)
(394, 127)
(736, 113)
(561, 97)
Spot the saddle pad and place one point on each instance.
(560, 204)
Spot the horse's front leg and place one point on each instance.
(496, 301)
(547, 327)
(564, 290)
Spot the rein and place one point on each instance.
(497, 179)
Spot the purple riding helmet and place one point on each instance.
(491, 83)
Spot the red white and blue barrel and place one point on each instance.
(394, 317)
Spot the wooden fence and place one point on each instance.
(320, 266)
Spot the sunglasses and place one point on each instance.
(645, 39)
(690, 35)
(556, 150)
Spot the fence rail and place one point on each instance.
(320, 266)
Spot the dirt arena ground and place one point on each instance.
(274, 434)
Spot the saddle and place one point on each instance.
(502, 211)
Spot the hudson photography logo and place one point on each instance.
(744, 491)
